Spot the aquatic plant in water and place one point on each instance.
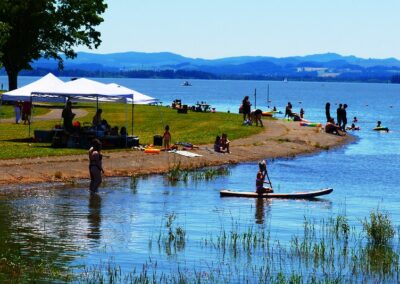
(176, 174)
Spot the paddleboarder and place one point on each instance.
(260, 179)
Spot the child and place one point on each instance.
(166, 137)
(260, 179)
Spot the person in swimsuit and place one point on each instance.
(95, 165)
(167, 138)
(260, 179)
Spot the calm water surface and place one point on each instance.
(124, 221)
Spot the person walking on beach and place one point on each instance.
(339, 115)
(95, 165)
(344, 117)
(328, 111)
(301, 113)
(246, 107)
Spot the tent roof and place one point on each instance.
(84, 89)
(43, 84)
(51, 89)
(138, 98)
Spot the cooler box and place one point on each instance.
(132, 141)
(157, 140)
(43, 135)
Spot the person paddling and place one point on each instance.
(260, 179)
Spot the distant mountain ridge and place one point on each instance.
(327, 66)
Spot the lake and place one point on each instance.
(128, 226)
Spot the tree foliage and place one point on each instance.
(4, 29)
(46, 28)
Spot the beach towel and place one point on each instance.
(186, 153)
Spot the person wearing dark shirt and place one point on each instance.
(339, 115)
(328, 111)
(68, 116)
(246, 108)
(344, 117)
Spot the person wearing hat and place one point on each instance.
(260, 179)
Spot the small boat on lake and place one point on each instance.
(381, 128)
(294, 195)
(186, 84)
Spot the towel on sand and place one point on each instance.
(186, 153)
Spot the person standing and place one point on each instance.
(246, 108)
(344, 117)
(166, 138)
(26, 112)
(95, 165)
(260, 179)
(339, 116)
(68, 116)
(301, 113)
(17, 110)
(328, 111)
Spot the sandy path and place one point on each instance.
(279, 139)
(54, 114)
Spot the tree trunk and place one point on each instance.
(12, 79)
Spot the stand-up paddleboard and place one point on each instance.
(381, 129)
(294, 195)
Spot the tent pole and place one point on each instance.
(133, 103)
(97, 109)
(1, 103)
(30, 120)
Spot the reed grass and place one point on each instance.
(332, 250)
(176, 173)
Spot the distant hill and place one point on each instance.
(327, 66)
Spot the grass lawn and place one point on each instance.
(7, 111)
(193, 127)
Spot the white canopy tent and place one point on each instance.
(138, 98)
(51, 89)
(44, 84)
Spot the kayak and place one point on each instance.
(266, 113)
(294, 195)
(381, 129)
(310, 124)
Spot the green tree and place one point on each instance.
(47, 28)
(3, 37)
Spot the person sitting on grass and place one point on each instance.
(260, 179)
(333, 128)
(218, 146)
(225, 143)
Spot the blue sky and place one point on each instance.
(224, 28)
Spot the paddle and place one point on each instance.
(266, 173)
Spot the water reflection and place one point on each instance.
(260, 211)
(94, 217)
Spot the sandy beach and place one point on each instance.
(279, 139)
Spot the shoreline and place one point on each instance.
(279, 139)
